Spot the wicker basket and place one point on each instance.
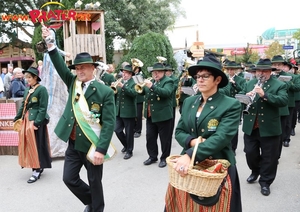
(197, 182)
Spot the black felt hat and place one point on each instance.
(264, 64)
(211, 63)
(128, 68)
(232, 64)
(158, 67)
(82, 58)
(278, 59)
(33, 71)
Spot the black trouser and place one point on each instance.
(173, 121)
(298, 113)
(262, 156)
(288, 127)
(234, 141)
(139, 119)
(74, 160)
(127, 138)
(295, 118)
(163, 130)
(283, 120)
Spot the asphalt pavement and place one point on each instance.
(130, 186)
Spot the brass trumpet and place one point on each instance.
(115, 84)
(139, 86)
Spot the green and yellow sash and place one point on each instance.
(88, 123)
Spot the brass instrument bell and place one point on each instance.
(115, 84)
(161, 59)
(139, 86)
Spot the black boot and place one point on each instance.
(293, 132)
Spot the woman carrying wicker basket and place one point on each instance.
(215, 118)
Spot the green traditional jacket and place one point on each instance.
(159, 99)
(266, 109)
(98, 96)
(218, 124)
(232, 89)
(107, 79)
(293, 86)
(297, 93)
(126, 100)
(175, 87)
(36, 106)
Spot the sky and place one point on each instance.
(238, 21)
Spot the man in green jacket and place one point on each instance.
(261, 126)
(87, 124)
(170, 73)
(126, 111)
(292, 86)
(159, 114)
(234, 86)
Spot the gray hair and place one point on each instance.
(17, 70)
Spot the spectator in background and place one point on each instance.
(7, 79)
(40, 66)
(18, 83)
(3, 73)
(1, 88)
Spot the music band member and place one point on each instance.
(235, 85)
(126, 111)
(159, 114)
(185, 80)
(107, 78)
(137, 69)
(261, 126)
(169, 73)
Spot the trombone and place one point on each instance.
(115, 84)
(139, 86)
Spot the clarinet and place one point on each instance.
(259, 83)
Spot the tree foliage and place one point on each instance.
(147, 47)
(296, 35)
(274, 49)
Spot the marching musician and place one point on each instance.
(261, 126)
(139, 102)
(126, 110)
(107, 77)
(277, 63)
(297, 100)
(169, 73)
(185, 80)
(240, 70)
(292, 86)
(235, 85)
(159, 114)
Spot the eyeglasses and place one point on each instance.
(204, 77)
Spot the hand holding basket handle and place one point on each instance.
(183, 163)
(202, 179)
